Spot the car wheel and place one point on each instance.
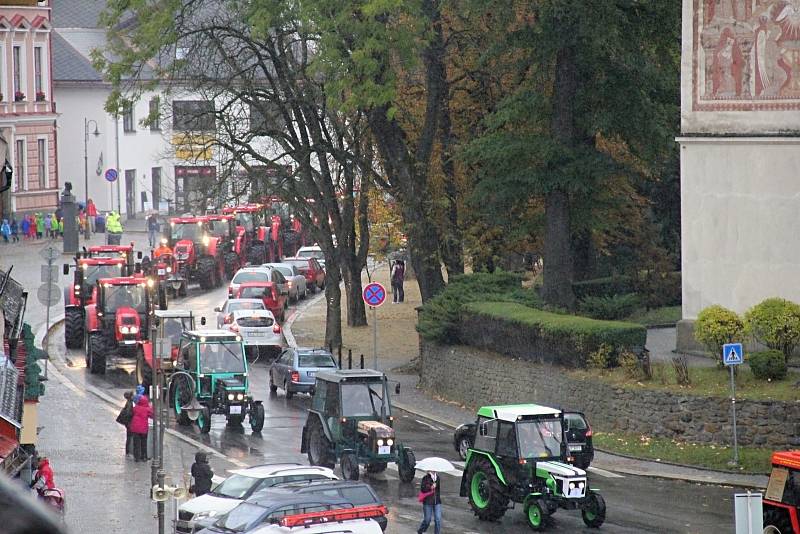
(464, 445)
(289, 394)
(272, 387)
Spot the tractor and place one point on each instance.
(351, 421)
(782, 498)
(224, 228)
(119, 320)
(78, 294)
(114, 251)
(252, 235)
(519, 456)
(199, 254)
(170, 324)
(212, 367)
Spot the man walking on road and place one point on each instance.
(398, 275)
(152, 229)
(202, 474)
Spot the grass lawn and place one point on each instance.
(751, 459)
(656, 316)
(706, 381)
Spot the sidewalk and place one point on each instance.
(398, 348)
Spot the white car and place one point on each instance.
(260, 273)
(225, 312)
(260, 332)
(298, 288)
(313, 251)
(239, 486)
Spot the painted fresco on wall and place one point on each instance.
(746, 55)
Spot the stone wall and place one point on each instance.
(475, 377)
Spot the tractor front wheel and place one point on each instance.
(257, 254)
(205, 272)
(319, 448)
(536, 514)
(73, 328)
(97, 354)
(257, 417)
(231, 264)
(486, 497)
(778, 519)
(181, 396)
(349, 464)
(594, 511)
(204, 420)
(408, 465)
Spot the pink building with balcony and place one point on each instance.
(27, 110)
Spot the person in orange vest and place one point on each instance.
(162, 249)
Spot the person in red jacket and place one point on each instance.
(139, 426)
(43, 476)
(91, 213)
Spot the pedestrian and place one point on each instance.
(5, 229)
(202, 475)
(142, 411)
(138, 394)
(152, 230)
(124, 418)
(60, 227)
(431, 503)
(113, 229)
(43, 477)
(48, 225)
(25, 226)
(39, 226)
(398, 274)
(91, 214)
(14, 230)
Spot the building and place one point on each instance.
(740, 155)
(27, 107)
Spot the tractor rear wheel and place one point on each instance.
(778, 519)
(73, 328)
(97, 353)
(349, 464)
(486, 496)
(257, 417)
(181, 396)
(231, 264)
(257, 254)
(182, 289)
(205, 272)
(319, 448)
(594, 511)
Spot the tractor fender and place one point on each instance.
(498, 471)
(147, 349)
(261, 234)
(92, 322)
(70, 300)
(325, 429)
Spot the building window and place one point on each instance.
(37, 73)
(155, 174)
(43, 156)
(17, 66)
(128, 125)
(155, 118)
(19, 165)
(193, 116)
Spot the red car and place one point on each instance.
(274, 300)
(311, 269)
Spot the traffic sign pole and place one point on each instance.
(733, 355)
(375, 338)
(374, 295)
(733, 410)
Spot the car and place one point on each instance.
(240, 485)
(298, 287)
(274, 300)
(225, 312)
(295, 370)
(260, 332)
(250, 516)
(257, 274)
(313, 251)
(357, 520)
(356, 493)
(311, 268)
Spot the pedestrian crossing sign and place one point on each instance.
(732, 354)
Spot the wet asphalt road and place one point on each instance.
(635, 504)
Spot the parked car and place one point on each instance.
(225, 312)
(358, 520)
(311, 269)
(240, 485)
(257, 274)
(260, 332)
(312, 251)
(579, 439)
(274, 300)
(296, 369)
(298, 287)
(463, 439)
(356, 493)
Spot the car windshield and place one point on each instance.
(191, 231)
(242, 518)
(285, 271)
(221, 358)
(575, 422)
(540, 438)
(246, 305)
(92, 273)
(250, 276)
(125, 296)
(218, 228)
(299, 264)
(315, 360)
(363, 399)
(236, 486)
(311, 253)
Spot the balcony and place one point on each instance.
(31, 3)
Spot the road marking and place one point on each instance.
(429, 425)
(604, 473)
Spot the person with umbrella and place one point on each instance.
(430, 492)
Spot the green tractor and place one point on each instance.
(351, 421)
(215, 361)
(519, 456)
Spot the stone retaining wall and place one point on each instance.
(476, 377)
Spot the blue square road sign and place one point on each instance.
(732, 354)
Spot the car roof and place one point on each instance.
(268, 498)
(311, 350)
(316, 484)
(310, 247)
(253, 269)
(267, 470)
(260, 312)
(511, 412)
(251, 300)
(174, 314)
(343, 375)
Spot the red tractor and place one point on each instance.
(252, 234)
(113, 251)
(782, 499)
(119, 320)
(200, 254)
(224, 227)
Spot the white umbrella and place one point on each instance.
(439, 465)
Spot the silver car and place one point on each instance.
(295, 370)
(298, 288)
(225, 312)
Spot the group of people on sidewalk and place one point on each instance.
(35, 226)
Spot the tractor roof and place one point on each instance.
(102, 260)
(351, 375)
(110, 248)
(789, 459)
(173, 314)
(243, 208)
(211, 335)
(512, 412)
(123, 281)
(188, 219)
(216, 217)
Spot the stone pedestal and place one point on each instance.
(69, 211)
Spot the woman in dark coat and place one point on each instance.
(202, 474)
(432, 505)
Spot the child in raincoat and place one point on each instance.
(14, 230)
(26, 227)
(39, 226)
(5, 229)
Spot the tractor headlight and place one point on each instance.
(380, 443)
(240, 396)
(231, 396)
(124, 330)
(77, 287)
(169, 269)
(581, 485)
(571, 485)
(133, 329)
(206, 240)
(390, 442)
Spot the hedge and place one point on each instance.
(665, 292)
(34, 387)
(541, 336)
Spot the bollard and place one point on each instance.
(340, 360)
(349, 359)
(362, 361)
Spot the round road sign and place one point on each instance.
(111, 175)
(374, 294)
(49, 296)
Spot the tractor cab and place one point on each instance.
(115, 251)
(222, 226)
(782, 498)
(199, 253)
(232, 245)
(519, 455)
(215, 361)
(351, 420)
(170, 325)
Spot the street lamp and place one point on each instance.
(96, 133)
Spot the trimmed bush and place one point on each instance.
(34, 387)
(775, 322)
(609, 308)
(602, 287)
(653, 291)
(543, 336)
(768, 365)
(716, 326)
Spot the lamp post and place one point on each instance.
(96, 133)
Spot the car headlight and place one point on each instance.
(204, 514)
(231, 396)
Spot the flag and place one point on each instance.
(100, 164)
